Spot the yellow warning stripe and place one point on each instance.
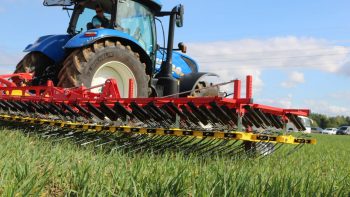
(285, 139)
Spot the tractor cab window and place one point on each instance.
(84, 22)
(136, 20)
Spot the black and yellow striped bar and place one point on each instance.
(234, 135)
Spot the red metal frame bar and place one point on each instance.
(110, 95)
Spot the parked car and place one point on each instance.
(331, 131)
(344, 130)
(316, 130)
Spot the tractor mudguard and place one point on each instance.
(182, 64)
(51, 46)
(91, 36)
(189, 81)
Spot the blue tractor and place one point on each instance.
(125, 48)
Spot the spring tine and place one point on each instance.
(10, 106)
(186, 144)
(171, 107)
(254, 121)
(83, 111)
(221, 114)
(198, 113)
(135, 107)
(273, 121)
(174, 108)
(278, 120)
(17, 106)
(48, 109)
(58, 109)
(121, 110)
(153, 114)
(189, 115)
(170, 113)
(37, 107)
(296, 122)
(70, 110)
(211, 117)
(263, 117)
(199, 145)
(206, 151)
(164, 114)
(246, 122)
(26, 106)
(226, 147)
(254, 116)
(98, 113)
(110, 113)
(231, 114)
(3, 106)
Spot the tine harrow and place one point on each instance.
(203, 125)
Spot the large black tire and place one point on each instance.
(36, 63)
(81, 65)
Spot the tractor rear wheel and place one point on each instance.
(103, 60)
(36, 63)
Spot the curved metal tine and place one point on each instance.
(142, 143)
(276, 147)
(54, 132)
(267, 150)
(130, 140)
(204, 147)
(109, 138)
(208, 147)
(92, 141)
(186, 144)
(153, 143)
(159, 144)
(155, 147)
(194, 144)
(85, 136)
(299, 146)
(68, 135)
(215, 148)
(175, 143)
(235, 149)
(226, 147)
(199, 145)
(167, 145)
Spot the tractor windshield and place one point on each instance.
(85, 18)
(136, 20)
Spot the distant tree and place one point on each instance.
(323, 121)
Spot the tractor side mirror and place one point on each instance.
(182, 47)
(180, 15)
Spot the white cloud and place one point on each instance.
(8, 61)
(323, 107)
(294, 79)
(285, 102)
(235, 59)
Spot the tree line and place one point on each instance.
(323, 121)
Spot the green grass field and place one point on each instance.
(39, 167)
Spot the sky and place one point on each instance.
(297, 51)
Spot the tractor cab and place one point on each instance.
(130, 17)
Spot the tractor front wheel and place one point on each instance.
(93, 65)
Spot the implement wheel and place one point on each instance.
(103, 60)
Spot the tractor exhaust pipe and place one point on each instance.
(166, 82)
